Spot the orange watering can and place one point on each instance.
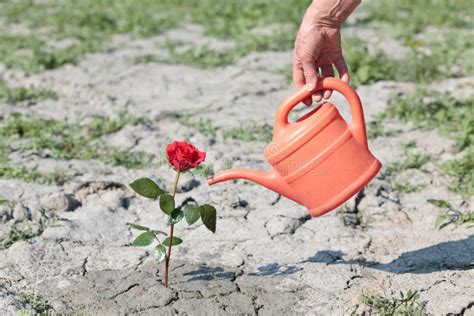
(319, 161)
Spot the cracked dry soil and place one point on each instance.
(267, 256)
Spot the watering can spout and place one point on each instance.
(268, 179)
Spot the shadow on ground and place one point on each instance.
(450, 255)
(205, 273)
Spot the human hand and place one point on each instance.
(318, 46)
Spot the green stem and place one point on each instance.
(170, 242)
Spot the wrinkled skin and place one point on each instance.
(317, 50)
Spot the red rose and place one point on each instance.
(183, 156)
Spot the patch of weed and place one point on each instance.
(61, 140)
(17, 232)
(410, 17)
(450, 57)
(37, 306)
(205, 127)
(128, 159)
(92, 22)
(462, 172)
(102, 125)
(376, 129)
(31, 54)
(200, 57)
(249, 134)
(404, 187)
(146, 59)
(428, 109)
(449, 215)
(411, 161)
(366, 68)
(377, 304)
(16, 95)
(28, 175)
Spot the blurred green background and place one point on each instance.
(433, 30)
(437, 36)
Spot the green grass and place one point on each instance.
(199, 56)
(17, 95)
(411, 161)
(92, 22)
(404, 187)
(61, 140)
(251, 133)
(449, 215)
(462, 172)
(28, 175)
(102, 125)
(408, 17)
(38, 306)
(453, 117)
(366, 68)
(205, 127)
(447, 56)
(18, 231)
(407, 304)
(32, 54)
(203, 57)
(377, 129)
(452, 56)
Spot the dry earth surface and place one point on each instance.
(268, 256)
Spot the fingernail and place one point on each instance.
(317, 98)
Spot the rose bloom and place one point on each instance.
(184, 156)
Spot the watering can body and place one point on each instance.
(320, 160)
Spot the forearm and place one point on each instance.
(333, 13)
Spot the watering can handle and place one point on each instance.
(328, 83)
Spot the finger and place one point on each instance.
(327, 71)
(298, 78)
(310, 72)
(308, 101)
(342, 69)
(318, 96)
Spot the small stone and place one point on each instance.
(36, 212)
(239, 204)
(60, 202)
(5, 213)
(351, 220)
(20, 212)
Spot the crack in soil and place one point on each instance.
(124, 291)
(465, 309)
(83, 267)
